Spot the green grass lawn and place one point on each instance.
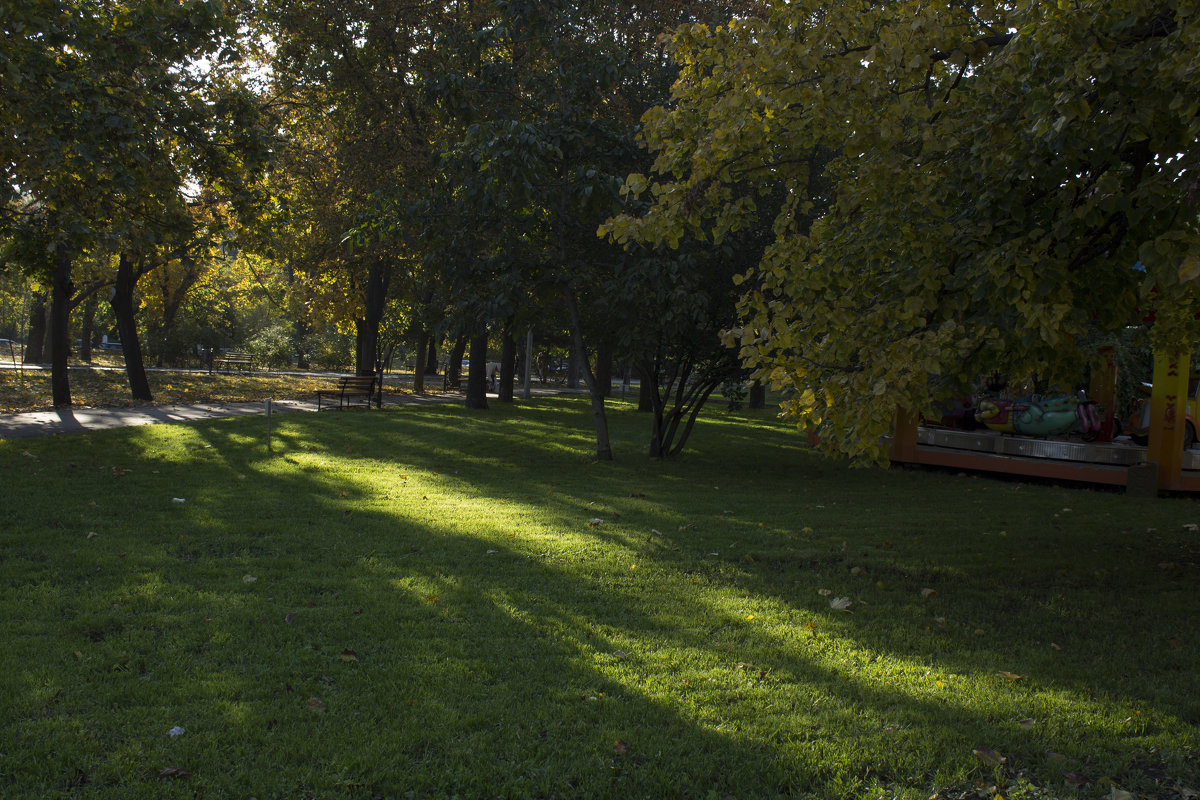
(429, 602)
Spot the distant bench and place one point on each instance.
(233, 360)
(350, 387)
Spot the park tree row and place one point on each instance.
(873, 202)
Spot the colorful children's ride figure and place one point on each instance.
(1036, 416)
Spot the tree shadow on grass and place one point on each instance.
(324, 632)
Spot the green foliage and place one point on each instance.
(968, 188)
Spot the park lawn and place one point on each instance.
(431, 602)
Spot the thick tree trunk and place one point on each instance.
(508, 366)
(60, 332)
(604, 364)
(35, 339)
(419, 374)
(758, 395)
(367, 328)
(121, 300)
(477, 375)
(431, 365)
(454, 365)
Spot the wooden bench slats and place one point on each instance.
(350, 387)
(231, 360)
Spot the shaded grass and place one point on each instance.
(429, 603)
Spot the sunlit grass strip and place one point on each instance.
(436, 603)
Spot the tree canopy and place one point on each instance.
(969, 188)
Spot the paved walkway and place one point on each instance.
(80, 420)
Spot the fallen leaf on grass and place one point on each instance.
(928, 592)
(1009, 676)
(1027, 724)
(989, 756)
(594, 521)
(824, 592)
(431, 598)
(313, 704)
(620, 748)
(173, 772)
(1120, 794)
(176, 731)
(290, 618)
(349, 655)
(248, 579)
(841, 604)
(1076, 778)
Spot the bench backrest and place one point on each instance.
(359, 383)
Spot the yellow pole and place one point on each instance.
(1167, 416)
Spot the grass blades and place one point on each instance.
(430, 602)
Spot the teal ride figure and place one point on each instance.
(1036, 416)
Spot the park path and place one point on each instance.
(29, 424)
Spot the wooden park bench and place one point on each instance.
(348, 388)
(233, 360)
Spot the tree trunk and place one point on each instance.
(604, 364)
(645, 390)
(508, 364)
(419, 374)
(86, 328)
(368, 327)
(573, 358)
(60, 332)
(579, 353)
(477, 375)
(35, 339)
(454, 365)
(121, 299)
(431, 365)
(758, 395)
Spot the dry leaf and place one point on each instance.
(620, 748)
(856, 571)
(1027, 724)
(824, 592)
(248, 579)
(989, 756)
(1009, 676)
(841, 604)
(928, 592)
(594, 521)
(313, 704)
(173, 772)
(349, 655)
(431, 598)
(290, 618)
(1076, 778)
(1120, 794)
